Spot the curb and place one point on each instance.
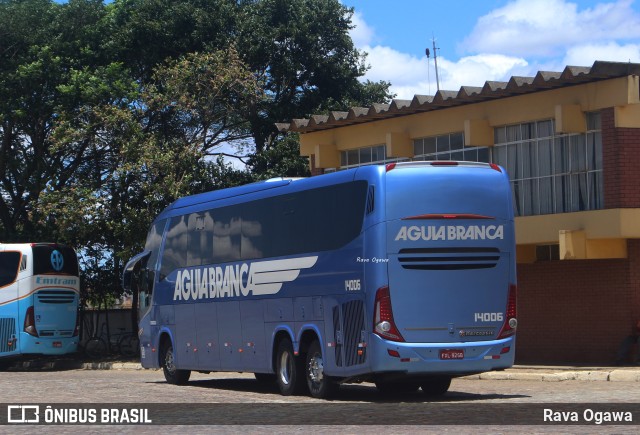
(550, 375)
(76, 365)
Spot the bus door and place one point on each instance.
(449, 243)
(9, 304)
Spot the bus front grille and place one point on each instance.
(7, 334)
(448, 258)
(56, 296)
(55, 333)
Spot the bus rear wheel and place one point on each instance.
(436, 386)
(320, 385)
(171, 373)
(289, 370)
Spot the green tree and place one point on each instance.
(110, 112)
(281, 159)
(43, 48)
(148, 154)
(302, 51)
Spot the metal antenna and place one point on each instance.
(435, 60)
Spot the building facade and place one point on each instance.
(570, 142)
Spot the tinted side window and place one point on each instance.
(54, 259)
(9, 263)
(174, 254)
(225, 240)
(330, 217)
(266, 229)
(199, 237)
(154, 238)
(315, 220)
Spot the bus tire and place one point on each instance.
(171, 373)
(289, 370)
(436, 386)
(320, 385)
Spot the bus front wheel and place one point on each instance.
(320, 385)
(171, 373)
(289, 370)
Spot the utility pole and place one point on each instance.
(435, 60)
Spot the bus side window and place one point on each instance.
(174, 255)
(224, 239)
(147, 270)
(23, 263)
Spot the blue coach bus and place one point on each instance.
(39, 299)
(402, 275)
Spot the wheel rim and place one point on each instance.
(316, 368)
(285, 368)
(168, 361)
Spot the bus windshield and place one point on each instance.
(9, 262)
(48, 259)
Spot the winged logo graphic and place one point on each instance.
(267, 277)
(258, 278)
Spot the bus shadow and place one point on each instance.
(353, 392)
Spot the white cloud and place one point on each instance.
(612, 51)
(475, 70)
(362, 34)
(547, 27)
(409, 75)
(519, 39)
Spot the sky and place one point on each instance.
(488, 40)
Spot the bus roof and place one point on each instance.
(280, 186)
(274, 186)
(4, 246)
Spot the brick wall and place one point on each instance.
(577, 311)
(314, 170)
(621, 163)
(580, 311)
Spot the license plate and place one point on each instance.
(452, 354)
(57, 344)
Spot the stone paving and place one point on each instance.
(519, 372)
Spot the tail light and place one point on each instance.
(383, 324)
(30, 322)
(510, 321)
(76, 330)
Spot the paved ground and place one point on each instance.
(240, 398)
(542, 373)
